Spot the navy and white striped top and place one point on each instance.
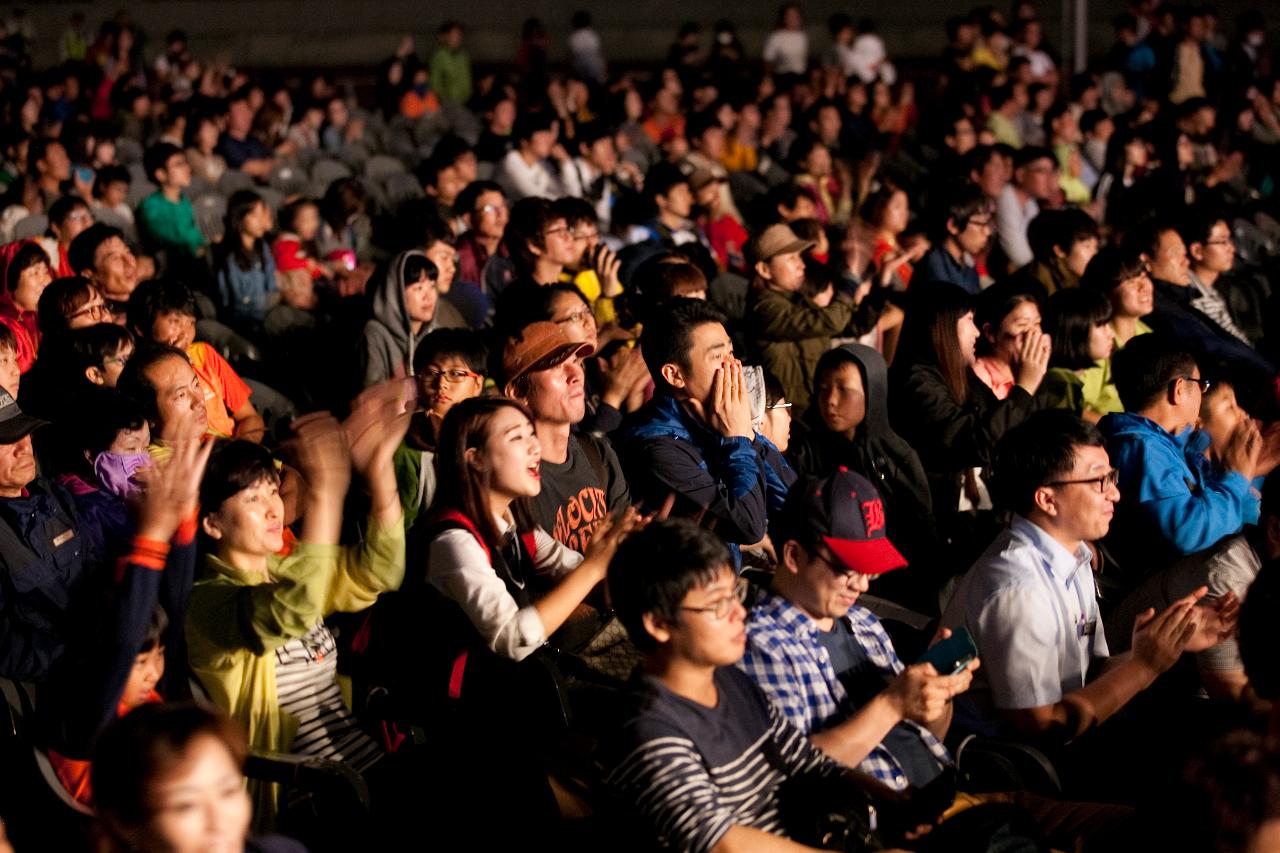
(692, 772)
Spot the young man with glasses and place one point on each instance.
(1213, 253)
(962, 234)
(701, 759)
(1031, 604)
(1174, 500)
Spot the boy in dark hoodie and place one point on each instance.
(406, 306)
(847, 426)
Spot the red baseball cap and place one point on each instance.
(847, 513)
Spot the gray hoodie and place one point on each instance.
(387, 346)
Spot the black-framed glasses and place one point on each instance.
(1107, 481)
(1205, 384)
(722, 607)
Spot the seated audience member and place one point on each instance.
(160, 378)
(826, 662)
(121, 663)
(1177, 314)
(10, 375)
(245, 269)
(667, 189)
(527, 170)
(776, 423)
(475, 553)
(255, 630)
(1063, 242)
(1009, 317)
(1078, 322)
(166, 219)
(617, 380)
(694, 440)
(951, 417)
(1212, 251)
(582, 482)
(53, 554)
(111, 193)
(99, 353)
(482, 205)
(961, 234)
(1121, 276)
(701, 760)
(1035, 180)
(539, 247)
(1031, 604)
(790, 330)
(847, 426)
(68, 216)
(406, 306)
(594, 270)
(1228, 568)
(151, 765)
(295, 246)
(67, 305)
(26, 271)
(164, 311)
(449, 367)
(238, 145)
(1173, 502)
(101, 255)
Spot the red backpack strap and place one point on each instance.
(529, 541)
(453, 516)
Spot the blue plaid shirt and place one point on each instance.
(786, 659)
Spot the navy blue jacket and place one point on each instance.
(46, 553)
(733, 482)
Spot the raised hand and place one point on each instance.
(1033, 360)
(173, 490)
(377, 424)
(730, 413)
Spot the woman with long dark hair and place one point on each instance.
(245, 268)
(951, 417)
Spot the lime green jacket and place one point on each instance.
(235, 622)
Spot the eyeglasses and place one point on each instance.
(1226, 241)
(98, 310)
(582, 315)
(492, 208)
(584, 235)
(121, 360)
(1205, 384)
(1107, 481)
(559, 229)
(981, 223)
(453, 377)
(778, 405)
(722, 607)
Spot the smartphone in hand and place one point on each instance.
(952, 655)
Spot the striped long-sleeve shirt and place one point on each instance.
(692, 772)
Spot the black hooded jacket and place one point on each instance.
(884, 458)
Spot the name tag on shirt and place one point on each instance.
(63, 537)
(1087, 628)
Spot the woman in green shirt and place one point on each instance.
(1079, 323)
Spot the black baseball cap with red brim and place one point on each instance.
(846, 513)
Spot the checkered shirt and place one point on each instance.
(786, 659)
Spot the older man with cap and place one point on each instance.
(826, 662)
(791, 330)
(582, 480)
(45, 552)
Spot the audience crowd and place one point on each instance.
(492, 457)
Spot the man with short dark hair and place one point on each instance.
(166, 219)
(582, 481)
(669, 191)
(1173, 501)
(1031, 604)
(101, 255)
(1177, 314)
(694, 442)
(701, 760)
(1035, 180)
(160, 378)
(961, 234)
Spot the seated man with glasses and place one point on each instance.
(449, 367)
(1174, 500)
(826, 662)
(1031, 604)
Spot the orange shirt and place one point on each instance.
(73, 773)
(225, 392)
